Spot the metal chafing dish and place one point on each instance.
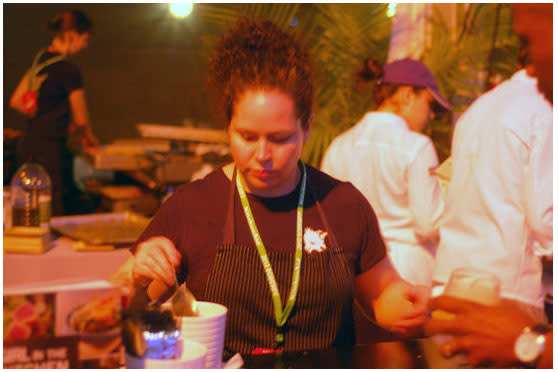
(102, 228)
(166, 155)
(183, 133)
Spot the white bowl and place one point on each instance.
(208, 311)
(193, 356)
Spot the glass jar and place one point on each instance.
(31, 196)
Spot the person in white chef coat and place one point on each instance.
(389, 160)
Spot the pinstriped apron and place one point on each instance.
(322, 314)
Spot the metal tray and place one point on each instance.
(102, 228)
(174, 132)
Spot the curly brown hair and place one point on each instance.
(258, 54)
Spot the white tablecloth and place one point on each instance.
(61, 262)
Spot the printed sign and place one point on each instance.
(43, 353)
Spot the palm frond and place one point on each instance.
(460, 66)
(341, 36)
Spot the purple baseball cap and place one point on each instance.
(409, 71)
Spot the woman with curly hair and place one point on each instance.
(284, 246)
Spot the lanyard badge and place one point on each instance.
(281, 314)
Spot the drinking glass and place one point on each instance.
(468, 284)
(474, 285)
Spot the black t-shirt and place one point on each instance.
(194, 217)
(53, 108)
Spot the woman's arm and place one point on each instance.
(426, 200)
(393, 303)
(537, 181)
(16, 100)
(80, 117)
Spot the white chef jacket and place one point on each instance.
(498, 215)
(390, 165)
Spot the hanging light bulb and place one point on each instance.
(391, 10)
(181, 10)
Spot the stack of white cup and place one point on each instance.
(208, 329)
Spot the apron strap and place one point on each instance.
(229, 235)
(229, 232)
(224, 275)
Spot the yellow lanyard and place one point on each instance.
(281, 315)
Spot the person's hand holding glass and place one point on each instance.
(466, 288)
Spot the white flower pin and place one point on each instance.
(314, 240)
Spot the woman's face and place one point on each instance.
(419, 110)
(266, 139)
(77, 42)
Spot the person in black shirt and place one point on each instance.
(51, 95)
(267, 229)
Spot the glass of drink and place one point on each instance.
(474, 285)
(468, 284)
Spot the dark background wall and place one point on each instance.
(142, 64)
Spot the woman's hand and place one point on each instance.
(155, 259)
(89, 141)
(401, 308)
(486, 333)
(395, 304)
